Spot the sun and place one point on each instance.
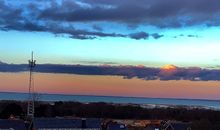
(169, 67)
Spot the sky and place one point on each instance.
(148, 32)
(153, 33)
(110, 86)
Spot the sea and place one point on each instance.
(200, 103)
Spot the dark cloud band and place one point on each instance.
(141, 72)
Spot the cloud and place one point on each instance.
(97, 28)
(144, 35)
(159, 13)
(61, 17)
(139, 35)
(2, 62)
(69, 31)
(156, 35)
(52, 17)
(96, 62)
(190, 35)
(144, 73)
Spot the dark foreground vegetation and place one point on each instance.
(200, 118)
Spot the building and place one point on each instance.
(180, 126)
(152, 127)
(66, 124)
(91, 123)
(177, 126)
(12, 125)
(116, 126)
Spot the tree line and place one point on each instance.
(209, 118)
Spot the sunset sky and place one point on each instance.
(152, 33)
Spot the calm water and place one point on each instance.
(158, 101)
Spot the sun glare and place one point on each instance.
(169, 67)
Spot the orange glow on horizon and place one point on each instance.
(110, 86)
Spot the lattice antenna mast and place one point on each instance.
(30, 109)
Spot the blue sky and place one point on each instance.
(155, 33)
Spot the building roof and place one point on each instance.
(116, 126)
(56, 123)
(152, 127)
(12, 124)
(93, 123)
(180, 126)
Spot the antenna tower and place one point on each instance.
(31, 98)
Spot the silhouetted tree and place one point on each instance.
(12, 109)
